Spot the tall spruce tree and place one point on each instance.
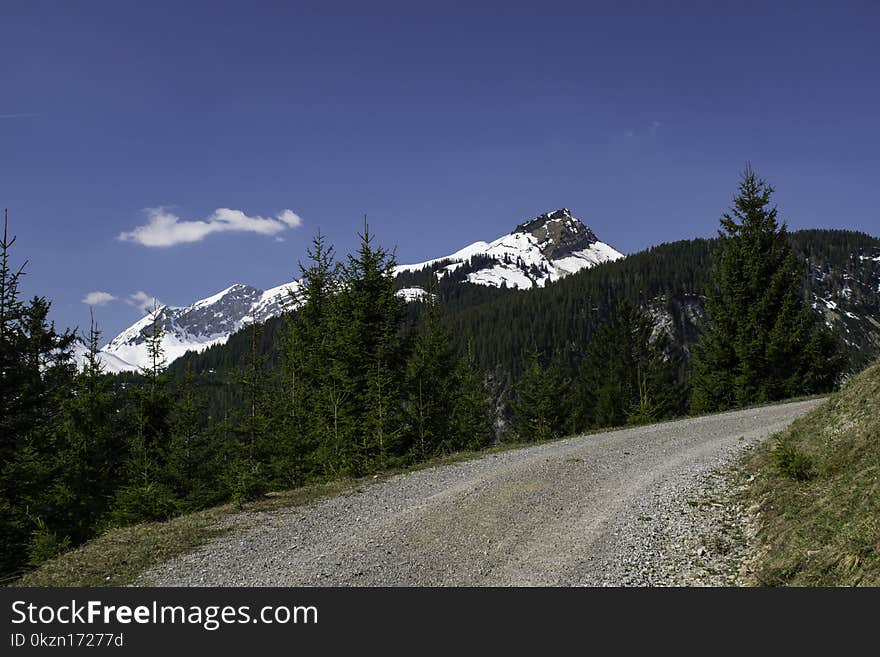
(292, 432)
(249, 475)
(195, 457)
(470, 414)
(309, 371)
(429, 385)
(371, 357)
(89, 452)
(759, 340)
(35, 379)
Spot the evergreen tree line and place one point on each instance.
(630, 375)
(670, 279)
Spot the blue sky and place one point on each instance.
(444, 129)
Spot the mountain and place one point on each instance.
(196, 327)
(543, 249)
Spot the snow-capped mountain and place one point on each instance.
(198, 326)
(543, 249)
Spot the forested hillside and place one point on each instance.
(669, 279)
(841, 277)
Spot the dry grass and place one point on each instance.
(118, 556)
(820, 525)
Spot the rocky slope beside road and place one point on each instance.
(644, 506)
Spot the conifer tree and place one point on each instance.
(628, 375)
(35, 375)
(470, 412)
(371, 358)
(429, 384)
(146, 497)
(89, 452)
(195, 457)
(540, 407)
(249, 476)
(759, 339)
(292, 430)
(309, 369)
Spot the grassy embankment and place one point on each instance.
(817, 493)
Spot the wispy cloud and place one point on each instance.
(143, 301)
(98, 298)
(653, 127)
(166, 229)
(21, 115)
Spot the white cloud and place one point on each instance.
(98, 298)
(279, 239)
(166, 229)
(143, 301)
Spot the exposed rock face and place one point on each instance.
(558, 234)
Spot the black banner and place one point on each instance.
(412, 620)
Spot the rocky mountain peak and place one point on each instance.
(559, 233)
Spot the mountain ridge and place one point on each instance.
(667, 280)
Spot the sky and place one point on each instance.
(169, 150)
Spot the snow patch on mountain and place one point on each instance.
(111, 364)
(173, 347)
(411, 294)
(274, 302)
(459, 256)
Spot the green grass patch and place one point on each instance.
(792, 463)
(817, 493)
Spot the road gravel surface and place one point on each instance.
(642, 506)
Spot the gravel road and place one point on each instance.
(647, 506)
